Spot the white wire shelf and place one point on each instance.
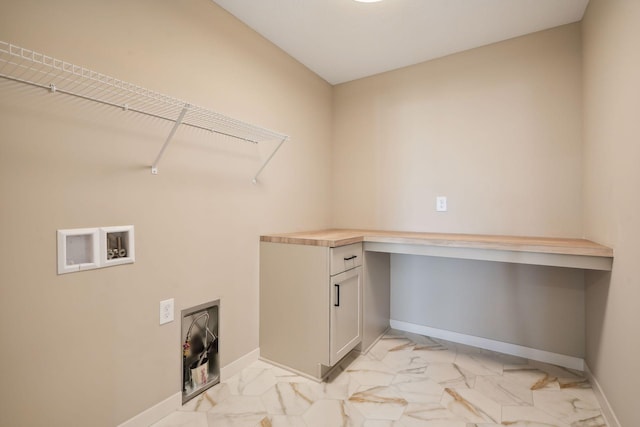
(36, 69)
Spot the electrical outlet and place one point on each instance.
(166, 311)
(441, 204)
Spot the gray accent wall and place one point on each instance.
(532, 306)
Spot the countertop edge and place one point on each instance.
(583, 247)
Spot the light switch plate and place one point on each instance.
(166, 311)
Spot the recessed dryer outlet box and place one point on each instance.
(117, 245)
(78, 250)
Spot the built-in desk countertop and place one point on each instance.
(559, 252)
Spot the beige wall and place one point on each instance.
(611, 197)
(495, 129)
(498, 131)
(86, 348)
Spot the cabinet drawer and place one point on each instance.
(345, 258)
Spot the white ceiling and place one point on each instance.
(343, 40)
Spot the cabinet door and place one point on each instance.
(346, 291)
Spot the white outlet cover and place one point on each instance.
(441, 204)
(166, 311)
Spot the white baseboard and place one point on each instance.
(238, 365)
(607, 411)
(488, 344)
(174, 402)
(155, 413)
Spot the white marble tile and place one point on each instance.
(183, 419)
(471, 405)
(450, 375)
(239, 420)
(290, 398)
(252, 381)
(479, 364)
(447, 423)
(381, 423)
(432, 414)
(287, 421)
(328, 413)
(557, 371)
(597, 421)
(390, 344)
(340, 385)
(564, 406)
(370, 372)
(421, 340)
(405, 362)
(379, 403)
(282, 375)
(505, 392)
(435, 353)
(430, 350)
(400, 342)
(531, 377)
(529, 416)
(579, 388)
(586, 394)
(207, 400)
(418, 388)
(405, 381)
(238, 411)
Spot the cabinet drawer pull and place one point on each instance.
(337, 303)
(351, 257)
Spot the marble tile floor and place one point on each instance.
(405, 380)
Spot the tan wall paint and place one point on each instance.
(498, 130)
(86, 348)
(495, 129)
(611, 198)
(506, 119)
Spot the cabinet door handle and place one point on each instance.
(351, 257)
(337, 303)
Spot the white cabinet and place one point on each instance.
(310, 305)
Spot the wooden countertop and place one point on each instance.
(332, 238)
(544, 245)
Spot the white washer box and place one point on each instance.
(82, 249)
(117, 245)
(78, 250)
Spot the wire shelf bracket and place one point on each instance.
(176, 125)
(26, 66)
